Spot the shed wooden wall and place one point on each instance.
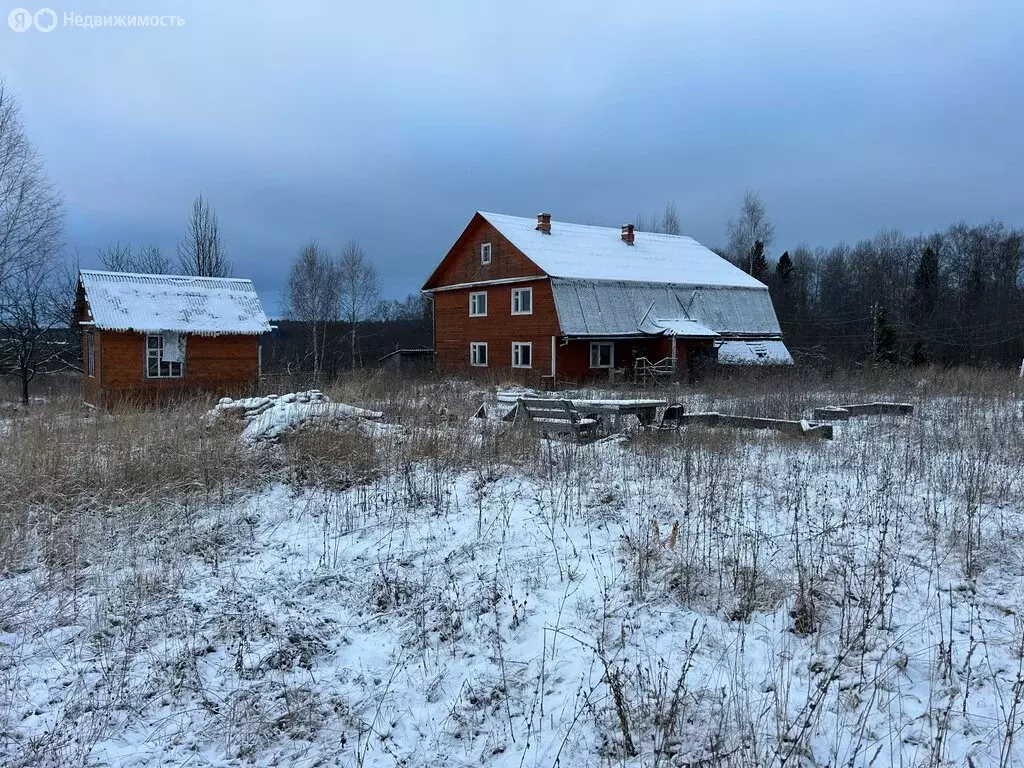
(222, 364)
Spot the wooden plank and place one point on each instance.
(878, 408)
(801, 428)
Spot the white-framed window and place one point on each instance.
(156, 366)
(90, 353)
(522, 301)
(478, 304)
(522, 354)
(478, 354)
(602, 354)
(485, 253)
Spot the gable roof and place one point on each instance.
(585, 252)
(210, 306)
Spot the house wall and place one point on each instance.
(224, 364)
(455, 330)
(462, 263)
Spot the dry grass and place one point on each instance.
(727, 524)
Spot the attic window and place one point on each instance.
(158, 366)
(485, 253)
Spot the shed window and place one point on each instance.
(478, 304)
(602, 355)
(485, 253)
(522, 301)
(478, 354)
(90, 352)
(157, 366)
(522, 354)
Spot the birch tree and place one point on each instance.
(359, 290)
(751, 227)
(314, 298)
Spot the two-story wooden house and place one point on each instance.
(558, 301)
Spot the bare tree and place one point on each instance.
(360, 291)
(35, 318)
(116, 257)
(670, 220)
(144, 259)
(151, 260)
(667, 223)
(646, 223)
(314, 298)
(200, 251)
(750, 228)
(31, 214)
(413, 308)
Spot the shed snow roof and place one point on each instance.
(211, 306)
(598, 253)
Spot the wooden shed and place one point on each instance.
(408, 362)
(152, 337)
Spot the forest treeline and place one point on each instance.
(949, 297)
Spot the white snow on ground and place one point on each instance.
(271, 416)
(814, 605)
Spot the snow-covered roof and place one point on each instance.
(598, 253)
(676, 326)
(121, 301)
(766, 352)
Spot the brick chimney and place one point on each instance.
(627, 234)
(544, 223)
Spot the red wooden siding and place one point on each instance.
(225, 364)
(454, 329)
(462, 263)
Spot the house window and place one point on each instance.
(478, 354)
(602, 354)
(522, 354)
(522, 301)
(485, 253)
(478, 304)
(156, 366)
(90, 352)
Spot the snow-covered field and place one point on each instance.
(447, 594)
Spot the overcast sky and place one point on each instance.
(391, 123)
